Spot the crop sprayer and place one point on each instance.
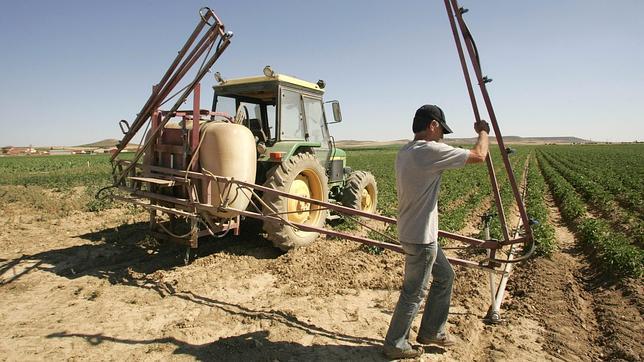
(264, 151)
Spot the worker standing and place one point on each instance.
(419, 166)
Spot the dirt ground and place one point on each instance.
(93, 286)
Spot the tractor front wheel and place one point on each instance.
(361, 192)
(300, 175)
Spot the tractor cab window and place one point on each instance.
(314, 119)
(291, 117)
(226, 104)
(270, 122)
(252, 119)
(258, 117)
(232, 106)
(250, 111)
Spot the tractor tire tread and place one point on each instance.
(356, 182)
(279, 178)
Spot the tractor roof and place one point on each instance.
(277, 78)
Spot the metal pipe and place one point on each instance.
(492, 290)
(496, 306)
(504, 280)
(196, 117)
(197, 51)
(366, 241)
(204, 43)
(459, 48)
(497, 198)
(488, 104)
(470, 90)
(152, 100)
(489, 244)
(350, 211)
(166, 119)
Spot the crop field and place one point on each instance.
(599, 193)
(59, 172)
(79, 277)
(598, 188)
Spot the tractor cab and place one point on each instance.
(295, 153)
(286, 116)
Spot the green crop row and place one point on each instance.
(611, 248)
(462, 190)
(466, 188)
(517, 161)
(631, 199)
(27, 177)
(602, 200)
(56, 172)
(380, 162)
(455, 186)
(619, 169)
(543, 232)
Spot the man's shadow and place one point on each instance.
(125, 255)
(254, 346)
(115, 253)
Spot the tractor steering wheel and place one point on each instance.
(242, 115)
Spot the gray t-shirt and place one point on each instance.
(419, 166)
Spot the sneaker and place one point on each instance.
(396, 353)
(443, 341)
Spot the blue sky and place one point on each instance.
(71, 69)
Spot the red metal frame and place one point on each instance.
(196, 118)
(192, 208)
(188, 55)
(454, 11)
(164, 144)
(461, 34)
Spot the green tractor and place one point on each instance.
(295, 152)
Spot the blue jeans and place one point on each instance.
(421, 260)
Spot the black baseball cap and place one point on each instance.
(426, 114)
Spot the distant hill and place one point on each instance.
(471, 140)
(524, 140)
(358, 144)
(107, 143)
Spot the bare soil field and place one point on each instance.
(93, 286)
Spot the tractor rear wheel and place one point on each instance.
(300, 175)
(361, 192)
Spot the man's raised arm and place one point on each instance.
(479, 152)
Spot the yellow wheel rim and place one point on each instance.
(306, 184)
(366, 200)
(299, 210)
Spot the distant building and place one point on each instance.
(60, 152)
(10, 150)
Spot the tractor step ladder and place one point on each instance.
(156, 181)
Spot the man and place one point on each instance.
(419, 166)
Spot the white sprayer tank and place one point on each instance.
(228, 150)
